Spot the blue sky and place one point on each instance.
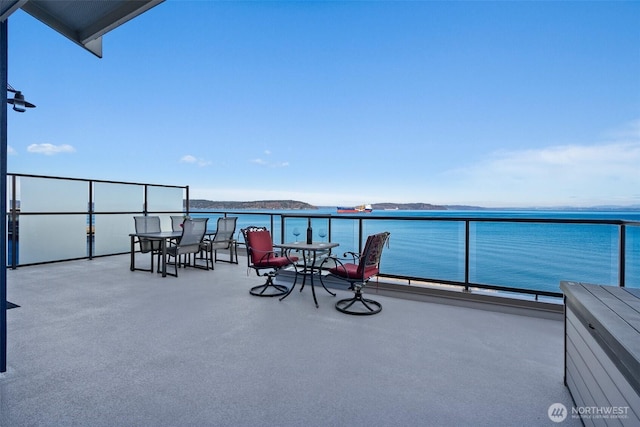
(497, 104)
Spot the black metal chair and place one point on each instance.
(265, 261)
(148, 224)
(358, 273)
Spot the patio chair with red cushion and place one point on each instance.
(265, 261)
(358, 273)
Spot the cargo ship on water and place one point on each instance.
(355, 209)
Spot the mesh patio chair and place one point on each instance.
(358, 273)
(265, 261)
(193, 231)
(222, 240)
(176, 222)
(148, 224)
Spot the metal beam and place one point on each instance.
(83, 22)
(86, 22)
(7, 7)
(3, 199)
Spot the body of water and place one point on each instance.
(534, 256)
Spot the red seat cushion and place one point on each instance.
(262, 254)
(350, 271)
(275, 261)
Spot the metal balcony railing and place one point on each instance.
(53, 219)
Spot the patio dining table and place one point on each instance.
(164, 237)
(309, 258)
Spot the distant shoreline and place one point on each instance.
(388, 206)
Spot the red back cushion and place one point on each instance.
(260, 244)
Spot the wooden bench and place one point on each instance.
(602, 353)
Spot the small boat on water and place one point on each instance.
(355, 209)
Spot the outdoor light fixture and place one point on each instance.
(18, 101)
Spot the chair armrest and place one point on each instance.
(268, 255)
(336, 261)
(354, 255)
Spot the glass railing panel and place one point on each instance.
(537, 256)
(244, 220)
(46, 238)
(632, 249)
(112, 233)
(161, 199)
(295, 229)
(112, 230)
(258, 220)
(53, 195)
(345, 231)
(116, 197)
(427, 249)
(213, 219)
(165, 199)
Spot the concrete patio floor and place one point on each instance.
(94, 344)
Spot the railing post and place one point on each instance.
(4, 34)
(360, 235)
(282, 217)
(622, 256)
(466, 255)
(13, 220)
(271, 226)
(90, 234)
(187, 202)
(144, 201)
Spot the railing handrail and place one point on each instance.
(360, 219)
(467, 220)
(107, 181)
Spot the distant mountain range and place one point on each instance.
(298, 205)
(408, 207)
(295, 204)
(258, 204)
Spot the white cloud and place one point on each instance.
(50, 149)
(578, 175)
(268, 163)
(188, 159)
(11, 150)
(194, 160)
(602, 173)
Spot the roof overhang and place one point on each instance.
(82, 21)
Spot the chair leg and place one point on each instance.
(210, 259)
(273, 289)
(159, 261)
(233, 254)
(370, 306)
(150, 269)
(176, 260)
(199, 256)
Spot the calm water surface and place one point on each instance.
(522, 255)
